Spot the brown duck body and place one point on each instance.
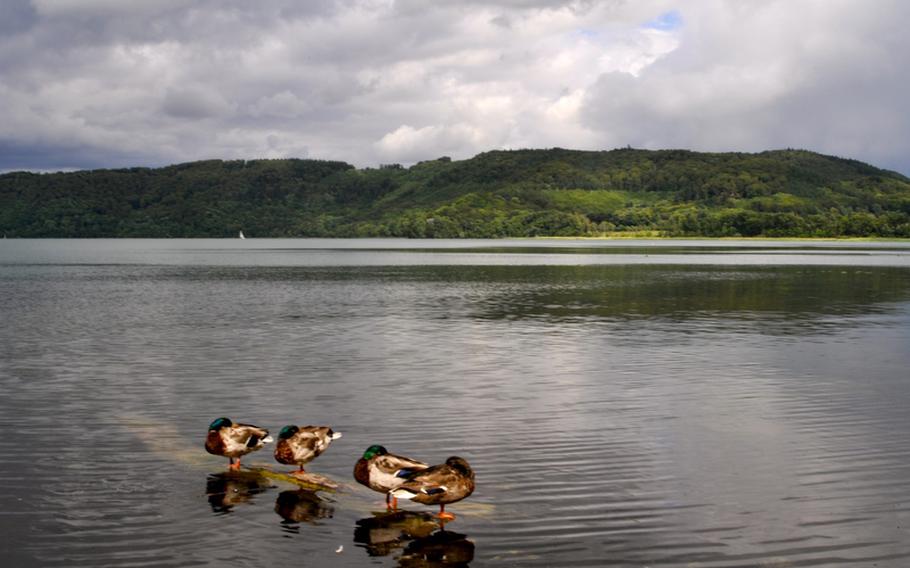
(386, 472)
(236, 440)
(439, 485)
(304, 445)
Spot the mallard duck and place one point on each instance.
(231, 440)
(298, 445)
(439, 485)
(381, 471)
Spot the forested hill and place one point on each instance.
(787, 193)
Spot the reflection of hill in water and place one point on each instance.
(708, 298)
(764, 299)
(225, 490)
(424, 541)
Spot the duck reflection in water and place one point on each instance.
(302, 506)
(442, 548)
(422, 536)
(225, 490)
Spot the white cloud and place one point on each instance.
(411, 144)
(368, 81)
(768, 75)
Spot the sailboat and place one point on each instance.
(241, 235)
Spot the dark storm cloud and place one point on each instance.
(18, 17)
(88, 83)
(65, 158)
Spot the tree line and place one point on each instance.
(520, 193)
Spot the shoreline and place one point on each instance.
(663, 238)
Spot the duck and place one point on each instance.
(381, 471)
(232, 440)
(298, 445)
(441, 484)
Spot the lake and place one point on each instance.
(622, 403)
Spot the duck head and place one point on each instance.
(374, 450)
(461, 465)
(220, 423)
(287, 432)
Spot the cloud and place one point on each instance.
(280, 105)
(18, 17)
(817, 75)
(412, 144)
(104, 8)
(103, 82)
(195, 102)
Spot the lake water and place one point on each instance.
(630, 403)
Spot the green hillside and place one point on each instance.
(787, 193)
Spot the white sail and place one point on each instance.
(241, 235)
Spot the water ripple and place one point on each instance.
(615, 414)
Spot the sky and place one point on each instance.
(112, 83)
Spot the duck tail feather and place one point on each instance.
(402, 493)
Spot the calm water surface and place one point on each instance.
(669, 403)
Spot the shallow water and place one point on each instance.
(670, 403)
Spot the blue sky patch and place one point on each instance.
(587, 33)
(667, 21)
